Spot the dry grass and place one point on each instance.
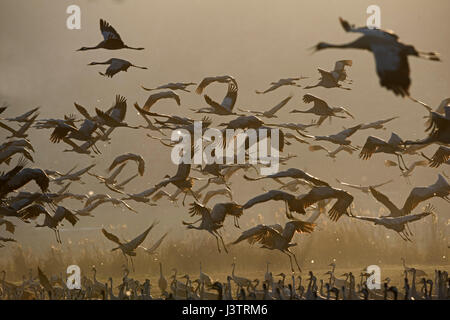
(352, 244)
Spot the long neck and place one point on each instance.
(106, 62)
(132, 48)
(160, 270)
(357, 44)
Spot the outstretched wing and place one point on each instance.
(297, 226)
(153, 248)
(133, 244)
(261, 233)
(198, 209)
(111, 237)
(271, 195)
(108, 31)
(370, 147)
(384, 200)
(340, 207)
(442, 155)
(44, 281)
(279, 106)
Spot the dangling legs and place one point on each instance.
(290, 260)
(223, 243)
(296, 262)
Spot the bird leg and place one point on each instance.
(56, 236)
(223, 243)
(403, 161)
(295, 258)
(236, 222)
(184, 198)
(217, 240)
(290, 260)
(399, 165)
(288, 212)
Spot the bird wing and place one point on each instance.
(108, 31)
(111, 237)
(419, 194)
(61, 130)
(395, 139)
(366, 30)
(230, 99)
(350, 131)
(129, 156)
(342, 109)
(383, 199)
(299, 226)
(327, 76)
(371, 219)
(348, 184)
(271, 195)
(318, 103)
(208, 80)
(316, 147)
(442, 155)
(392, 68)
(279, 106)
(156, 245)
(109, 121)
(31, 212)
(382, 184)
(133, 244)
(114, 68)
(415, 217)
(212, 193)
(340, 207)
(82, 110)
(62, 213)
(43, 280)
(370, 147)
(198, 209)
(4, 126)
(261, 233)
(119, 110)
(341, 64)
(299, 174)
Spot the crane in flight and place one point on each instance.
(128, 247)
(212, 219)
(398, 224)
(269, 113)
(282, 82)
(224, 108)
(364, 189)
(208, 80)
(172, 86)
(115, 66)
(322, 109)
(276, 237)
(391, 56)
(111, 39)
(331, 79)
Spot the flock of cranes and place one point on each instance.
(82, 134)
(415, 284)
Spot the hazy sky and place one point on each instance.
(255, 41)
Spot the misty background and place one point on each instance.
(256, 42)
